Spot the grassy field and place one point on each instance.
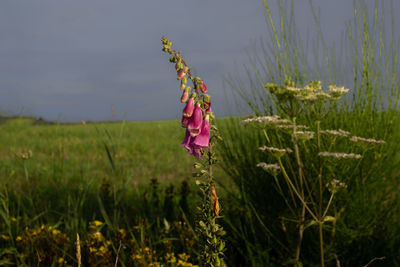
(138, 151)
(65, 176)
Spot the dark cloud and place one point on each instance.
(78, 57)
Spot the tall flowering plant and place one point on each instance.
(310, 169)
(200, 138)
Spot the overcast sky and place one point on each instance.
(73, 59)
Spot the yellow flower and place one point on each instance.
(56, 232)
(102, 250)
(96, 223)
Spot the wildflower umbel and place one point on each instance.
(304, 135)
(277, 152)
(366, 140)
(340, 155)
(275, 149)
(268, 120)
(272, 168)
(335, 132)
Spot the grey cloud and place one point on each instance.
(79, 57)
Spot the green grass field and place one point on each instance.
(67, 175)
(138, 151)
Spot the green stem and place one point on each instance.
(301, 182)
(295, 191)
(321, 215)
(321, 243)
(327, 206)
(266, 136)
(320, 170)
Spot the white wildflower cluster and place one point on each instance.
(366, 140)
(290, 126)
(304, 135)
(271, 168)
(339, 155)
(307, 93)
(335, 185)
(275, 149)
(335, 132)
(295, 90)
(311, 92)
(336, 91)
(272, 120)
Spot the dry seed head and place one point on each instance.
(215, 201)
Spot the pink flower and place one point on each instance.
(203, 87)
(185, 122)
(188, 110)
(202, 140)
(196, 152)
(185, 96)
(195, 121)
(186, 141)
(181, 75)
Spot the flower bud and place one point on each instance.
(183, 83)
(179, 65)
(203, 87)
(185, 95)
(206, 98)
(181, 75)
(188, 110)
(172, 59)
(197, 83)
